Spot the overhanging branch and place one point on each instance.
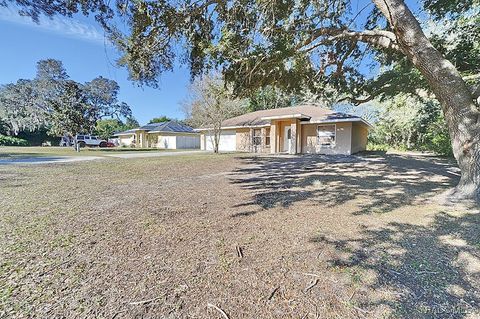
(475, 88)
(377, 38)
(357, 101)
(471, 77)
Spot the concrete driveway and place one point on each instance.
(71, 159)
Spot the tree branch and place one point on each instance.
(378, 38)
(471, 77)
(344, 58)
(475, 88)
(357, 101)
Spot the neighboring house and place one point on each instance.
(167, 135)
(300, 129)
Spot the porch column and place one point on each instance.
(273, 137)
(293, 139)
(137, 139)
(202, 142)
(299, 137)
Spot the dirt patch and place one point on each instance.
(256, 237)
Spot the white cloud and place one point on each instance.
(60, 25)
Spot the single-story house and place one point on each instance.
(306, 128)
(166, 135)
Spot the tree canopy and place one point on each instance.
(160, 119)
(288, 44)
(52, 100)
(107, 127)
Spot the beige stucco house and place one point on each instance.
(165, 135)
(293, 130)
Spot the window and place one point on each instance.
(267, 137)
(80, 137)
(257, 137)
(326, 135)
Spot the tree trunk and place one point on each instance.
(216, 138)
(461, 114)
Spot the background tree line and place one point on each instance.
(53, 105)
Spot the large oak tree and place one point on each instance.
(296, 44)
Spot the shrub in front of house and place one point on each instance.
(12, 141)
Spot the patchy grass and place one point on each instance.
(336, 237)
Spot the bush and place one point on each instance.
(407, 123)
(38, 137)
(12, 141)
(438, 139)
(371, 146)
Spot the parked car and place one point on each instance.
(90, 140)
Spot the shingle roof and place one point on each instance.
(306, 112)
(170, 126)
(127, 132)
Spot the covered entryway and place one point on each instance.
(285, 136)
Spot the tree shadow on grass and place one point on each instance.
(383, 181)
(434, 270)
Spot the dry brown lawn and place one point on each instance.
(257, 237)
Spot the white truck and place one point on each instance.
(90, 140)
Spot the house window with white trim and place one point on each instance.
(326, 135)
(257, 137)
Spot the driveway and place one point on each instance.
(71, 159)
(47, 159)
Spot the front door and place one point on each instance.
(287, 138)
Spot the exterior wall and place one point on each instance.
(167, 142)
(359, 137)
(244, 143)
(126, 140)
(343, 139)
(244, 139)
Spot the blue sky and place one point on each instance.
(80, 45)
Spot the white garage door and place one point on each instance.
(228, 141)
